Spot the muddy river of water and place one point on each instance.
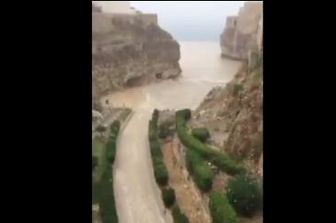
(138, 198)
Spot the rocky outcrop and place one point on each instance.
(233, 114)
(243, 33)
(130, 50)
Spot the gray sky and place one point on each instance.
(191, 20)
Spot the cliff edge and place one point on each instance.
(234, 117)
(130, 50)
(243, 33)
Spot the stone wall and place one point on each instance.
(243, 33)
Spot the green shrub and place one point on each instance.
(115, 126)
(220, 209)
(160, 173)
(94, 162)
(152, 131)
(201, 134)
(200, 171)
(178, 216)
(155, 149)
(184, 113)
(219, 159)
(111, 141)
(244, 194)
(155, 116)
(160, 170)
(168, 197)
(110, 150)
(107, 207)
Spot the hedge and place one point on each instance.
(111, 141)
(160, 170)
(94, 162)
(115, 126)
(168, 196)
(244, 194)
(160, 173)
(178, 216)
(107, 207)
(219, 159)
(200, 171)
(201, 134)
(220, 209)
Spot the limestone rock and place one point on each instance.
(243, 33)
(130, 49)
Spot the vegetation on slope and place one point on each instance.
(106, 202)
(160, 170)
(221, 160)
(200, 171)
(178, 216)
(220, 209)
(244, 194)
(103, 181)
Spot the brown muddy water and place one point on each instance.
(138, 198)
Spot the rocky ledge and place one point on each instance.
(130, 50)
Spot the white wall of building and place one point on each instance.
(115, 6)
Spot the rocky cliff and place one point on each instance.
(130, 50)
(233, 114)
(243, 33)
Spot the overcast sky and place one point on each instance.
(191, 20)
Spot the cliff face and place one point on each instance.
(233, 115)
(243, 33)
(129, 50)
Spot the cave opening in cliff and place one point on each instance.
(158, 75)
(136, 81)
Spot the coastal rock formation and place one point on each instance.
(243, 33)
(130, 49)
(234, 117)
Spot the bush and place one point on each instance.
(155, 149)
(110, 150)
(115, 126)
(178, 216)
(184, 113)
(111, 141)
(94, 162)
(168, 196)
(201, 134)
(107, 207)
(221, 160)
(220, 209)
(200, 171)
(155, 116)
(160, 172)
(244, 194)
(152, 131)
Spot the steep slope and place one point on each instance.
(233, 114)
